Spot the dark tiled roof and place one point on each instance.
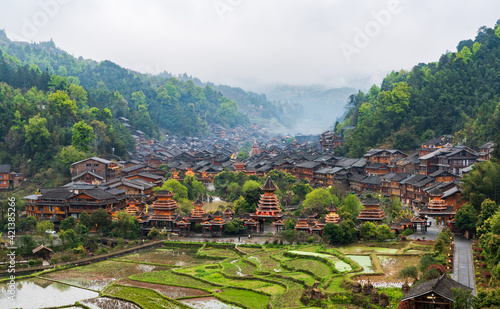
(4, 168)
(269, 185)
(441, 286)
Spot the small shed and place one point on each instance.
(435, 293)
(42, 252)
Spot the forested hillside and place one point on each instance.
(150, 102)
(46, 123)
(458, 95)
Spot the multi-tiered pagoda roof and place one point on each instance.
(164, 207)
(269, 206)
(372, 211)
(332, 216)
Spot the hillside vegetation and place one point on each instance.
(458, 95)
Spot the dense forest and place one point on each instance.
(47, 123)
(458, 95)
(150, 102)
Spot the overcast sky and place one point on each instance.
(254, 43)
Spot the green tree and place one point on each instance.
(195, 187)
(68, 223)
(351, 206)
(466, 218)
(127, 226)
(368, 230)
(481, 183)
(464, 299)
(175, 187)
(42, 226)
(334, 233)
(69, 238)
(84, 219)
(384, 232)
(319, 199)
(409, 272)
(67, 156)
(37, 135)
(301, 189)
(83, 135)
(101, 219)
(25, 245)
(153, 233)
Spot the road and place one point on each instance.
(463, 265)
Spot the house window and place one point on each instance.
(74, 216)
(52, 208)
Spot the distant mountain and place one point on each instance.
(320, 106)
(457, 95)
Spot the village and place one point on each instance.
(425, 183)
(428, 180)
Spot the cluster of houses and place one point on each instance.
(428, 178)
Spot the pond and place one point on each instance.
(40, 293)
(364, 261)
(365, 249)
(106, 302)
(339, 264)
(207, 303)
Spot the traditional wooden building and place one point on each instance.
(332, 216)
(214, 227)
(437, 208)
(372, 211)
(102, 167)
(198, 215)
(269, 206)
(433, 294)
(164, 216)
(4, 176)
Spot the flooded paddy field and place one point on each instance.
(167, 256)
(207, 303)
(40, 293)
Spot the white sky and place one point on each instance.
(254, 43)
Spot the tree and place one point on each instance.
(464, 299)
(488, 209)
(42, 226)
(68, 223)
(175, 187)
(153, 233)
(349, 231)
(101, 219)
(195, 187)
(466, 218)
(61, 106)
(69, 238)
(318, 200)
(352, 206)
(30, 223)
(384, 232)
(67, 156)
(368, 230)
(301, 189)
(37, 135)
(83, 135)
(481, 183)
(334, 233)
(84, 219)
(25, 245)
(241, 206)
(127, 225)
(409, 272)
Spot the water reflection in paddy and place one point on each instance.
(40, 293)
(105, 302)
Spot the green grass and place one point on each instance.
(244, 298)
(334, 285)
(219, 253)
(308, 279)
(171, 278)
(290, 298)
(142, 297)
(238, 268)
(318, 268)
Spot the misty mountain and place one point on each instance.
(321, 106)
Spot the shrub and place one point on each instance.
(102, 251)
(54, 260)
(65, 258)
(31, 262)
(79, 249)
(310, 239)
(403, 238)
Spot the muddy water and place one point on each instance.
(363, 249)
(207, 303)
(167, 290)
(40, 293)
(105, 303)
(364, 261)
